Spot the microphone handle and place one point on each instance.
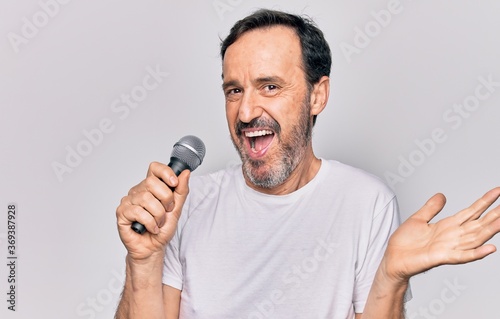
(177, 166)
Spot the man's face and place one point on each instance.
(267, 104)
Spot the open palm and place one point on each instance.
(418, 245)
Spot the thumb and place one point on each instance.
(431, 208)
(181, 191)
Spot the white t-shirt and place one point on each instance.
(241, 254)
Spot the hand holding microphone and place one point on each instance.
(155, 204)
(188, 154)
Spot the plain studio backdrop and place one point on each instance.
(92, 91)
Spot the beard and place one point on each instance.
(286, 156)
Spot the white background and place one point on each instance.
(61, 78)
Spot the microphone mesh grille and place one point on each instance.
(190, 150)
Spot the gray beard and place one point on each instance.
(291, 153)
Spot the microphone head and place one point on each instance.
(190, 150)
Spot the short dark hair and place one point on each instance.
(316, 54)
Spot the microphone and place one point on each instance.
(188, 153)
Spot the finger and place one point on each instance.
(157, 188)
(466, 256)
(133, 213)
(478, 207)
(151, 204)
(477, 232)
(164, 173)
(491, 217)
(431, 208)
(181, 192)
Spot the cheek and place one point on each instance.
(231, 117)
(283, 113)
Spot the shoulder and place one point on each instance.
(205, 189)
(213, 181)
(355, 180)
(361, 191)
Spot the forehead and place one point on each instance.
(263, 51)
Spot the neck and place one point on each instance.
(301, 175)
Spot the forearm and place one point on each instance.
(142, 295)
(386, 298)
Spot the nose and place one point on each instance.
(250, 106)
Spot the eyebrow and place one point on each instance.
(227, 84)
(261, 80)
(266, 79)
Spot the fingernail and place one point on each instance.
(170, 206)
(162, 221)
(173, 180)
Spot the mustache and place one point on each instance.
(258, 123)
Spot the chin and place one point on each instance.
(265, 176)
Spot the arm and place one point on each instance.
(417, 246)
(147, 295)
(171, 301)
(152, 203)
(142, 295)
(386, 298)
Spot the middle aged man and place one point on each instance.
(286, 234)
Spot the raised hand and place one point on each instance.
(156, 202)
(418, 245)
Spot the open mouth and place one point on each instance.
(259, 141)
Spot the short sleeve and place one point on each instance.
(172, 267)
(385, 221)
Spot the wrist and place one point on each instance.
(140, 260)
(145, 272)
(387, 294)
(393, 278)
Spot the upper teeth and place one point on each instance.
(258, 133)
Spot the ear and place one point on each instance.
(319, 95)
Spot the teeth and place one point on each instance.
(258, 133)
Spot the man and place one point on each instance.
(286, 234)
